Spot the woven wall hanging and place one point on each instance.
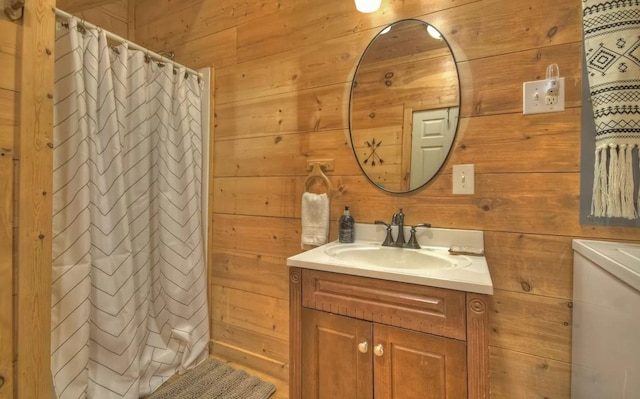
(612, 51)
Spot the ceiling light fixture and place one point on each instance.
(367, 6)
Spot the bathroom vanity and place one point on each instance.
(416, 329)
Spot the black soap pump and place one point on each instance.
(346, 227)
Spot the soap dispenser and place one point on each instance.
(346, 227)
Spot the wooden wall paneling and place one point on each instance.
(296, 67)
(478, 30)
(259, 235)
(268, 347)
(198, 53)
(244, 355)
(496, 143)
(250, 272)
(131, 20)
(316, 109)
(493, 85)
(8, 118)
(531, 324)
(530, 264)
(523, 376)
(34, 152)
(168, 24)
(316, 22)
(6, 263)
(10, 31)
(248, 196)
(292, 71)
(74, 6)
(111, 17)
(251, 311)
(211, 187)
(403, 81)
(278, 155)
(268, 196)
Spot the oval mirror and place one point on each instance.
(404, 106)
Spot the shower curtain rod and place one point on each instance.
(130, 44)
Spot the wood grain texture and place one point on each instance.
(9, 34)
(415, 307)
(251, 311)
(281, 102)
(295, 332)
(332, 365)
(416, 365)
(6, 276)
(478, 346)
(523, 376)
(532, 324)
(74, 6)
(8, 120)
(34, 152)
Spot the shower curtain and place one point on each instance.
(129, 299)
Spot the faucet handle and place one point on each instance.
(388, 241)
(413, 241)
(421, 225)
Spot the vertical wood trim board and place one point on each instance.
(34, 154)
(295, 328)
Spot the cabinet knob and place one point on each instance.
(1, 381)
(363, 346)
(377, 350)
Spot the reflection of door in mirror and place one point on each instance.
(431, 139)
(403, 70)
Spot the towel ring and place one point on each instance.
(316, 173)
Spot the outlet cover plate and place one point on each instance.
(534, 99)
(464, 179)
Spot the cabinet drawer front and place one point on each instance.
(415, 307)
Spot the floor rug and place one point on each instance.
(215, 380)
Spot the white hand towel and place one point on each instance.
(315, 219)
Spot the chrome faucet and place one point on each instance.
(398, 220)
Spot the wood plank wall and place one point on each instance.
(112, 15)
(9, 94)
(283, 72)
(26, 90)
(25, 187)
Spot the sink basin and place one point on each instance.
(432, 265)
(396, 258)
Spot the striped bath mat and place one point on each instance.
(215, 380)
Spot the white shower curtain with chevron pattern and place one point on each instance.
(129, 302)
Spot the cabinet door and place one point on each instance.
(333, 366)
(412, 365)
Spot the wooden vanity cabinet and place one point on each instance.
(362, 338)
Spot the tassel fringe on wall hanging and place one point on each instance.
(612, 51)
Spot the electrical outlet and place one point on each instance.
(535, 99)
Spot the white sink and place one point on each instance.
(432, 265)
(396, 258)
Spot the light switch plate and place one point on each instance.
(535, 100)
(464, 179)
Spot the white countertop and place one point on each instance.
(471, 276)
